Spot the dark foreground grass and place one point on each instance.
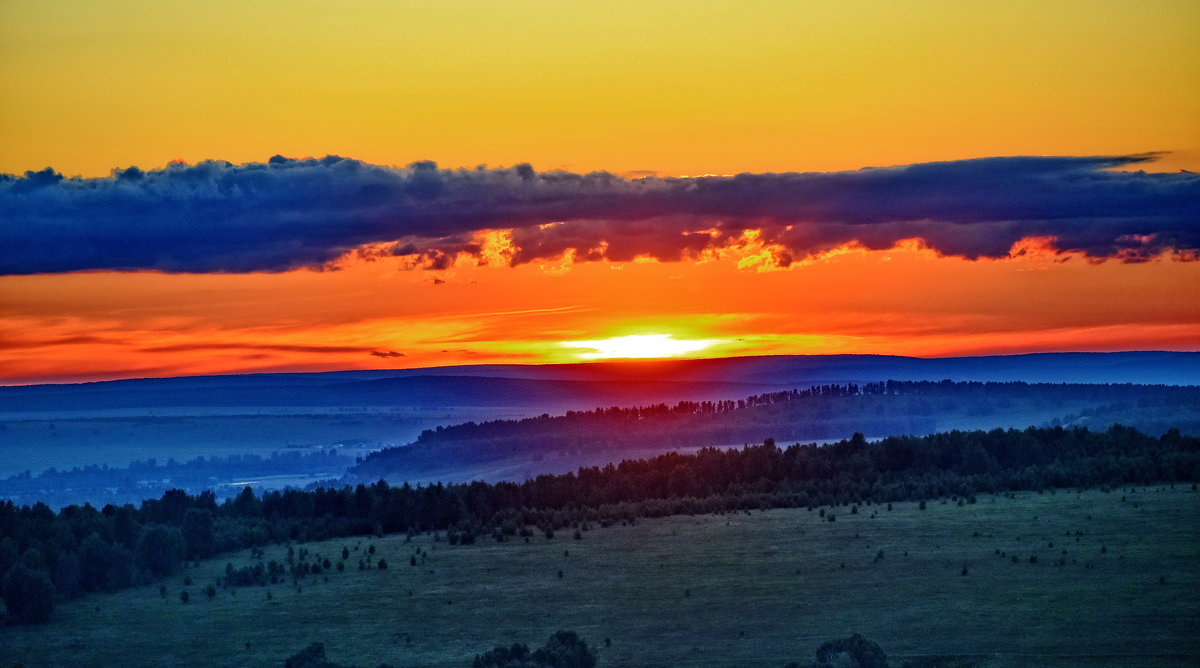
(1116, 582)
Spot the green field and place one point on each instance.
(757, 589)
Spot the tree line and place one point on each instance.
(820, 412)
(566, 649)
(47, 555)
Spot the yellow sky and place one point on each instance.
(675, 87)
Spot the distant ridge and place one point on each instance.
(560, 386)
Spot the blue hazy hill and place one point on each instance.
(559, 386)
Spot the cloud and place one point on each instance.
(275, 347)
(287, 214)
(20, 344)
(386, 353)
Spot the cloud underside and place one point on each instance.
(287, 214)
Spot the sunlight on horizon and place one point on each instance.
(639, 346)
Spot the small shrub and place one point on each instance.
(564, 649)
(853, 651)
(312, 656)
(28, 594)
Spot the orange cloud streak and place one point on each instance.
(374, 314)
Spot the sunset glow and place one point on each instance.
(638, 346)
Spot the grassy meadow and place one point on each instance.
(1116, 582)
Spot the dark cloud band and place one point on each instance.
(286, 214)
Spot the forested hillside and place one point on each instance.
(46, 555)
(819, 413)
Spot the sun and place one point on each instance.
(638, 346)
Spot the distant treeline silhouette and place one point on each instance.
(44, 554)
(817, 413)
(150, 477)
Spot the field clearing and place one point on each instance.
(757, 589)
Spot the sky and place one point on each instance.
(550, 182)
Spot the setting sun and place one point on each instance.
(639, 346)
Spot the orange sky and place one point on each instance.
(675, 88)
(906, 301)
